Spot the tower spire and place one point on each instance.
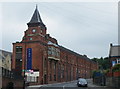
(36, 6)
(36, 19)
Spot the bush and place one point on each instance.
(10, 85)
(106, 71)
(116, 68)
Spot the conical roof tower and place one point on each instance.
(36, 19)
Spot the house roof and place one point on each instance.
(78, 55)
(36, 19)
(4, 54)
(114, 50)
(51, 43)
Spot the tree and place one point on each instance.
(103, 63)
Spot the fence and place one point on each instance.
(100, 80)
(113, 79)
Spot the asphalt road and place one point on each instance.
(68, 85)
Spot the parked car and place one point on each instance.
(82, 82)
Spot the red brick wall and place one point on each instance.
(70, 61)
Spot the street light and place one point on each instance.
(24, 65)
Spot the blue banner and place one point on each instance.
(29, 58)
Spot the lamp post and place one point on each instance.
(24, 65)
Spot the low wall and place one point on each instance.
(113, 82)
(17, 83)
(116, 81)
(113, 79)
(109, 82)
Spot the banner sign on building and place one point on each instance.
(29, 58)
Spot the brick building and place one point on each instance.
(49, 61)
(5, 67)
(8, 76)
(114, 54)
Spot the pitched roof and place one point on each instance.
(114, 50)
(36, 19)
(3, 54)
(72, 52)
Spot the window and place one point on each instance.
(118, 61)
(53, 53)
(50, 63)
(50, 77)
(45, 66)
(54, 77)
(3, 71)
(49, 52)
(62, 71)
(49, 48)
(55, 67)
(30, 38)
(20, 60)
(18, 49)
(34, 30)
(41, 30)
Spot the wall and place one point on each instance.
(18, 83)
(113, 80)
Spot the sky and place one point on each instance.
(87, 28)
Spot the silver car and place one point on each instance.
(82, 82)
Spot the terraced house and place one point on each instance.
(42, 60)
(114, 54)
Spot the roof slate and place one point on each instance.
(4, 54)
(72, 52)
(36, 17)
(114, 51)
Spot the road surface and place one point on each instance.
(68, 85)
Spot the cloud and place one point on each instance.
(87, 28)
